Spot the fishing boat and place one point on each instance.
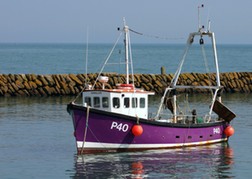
(114, 120)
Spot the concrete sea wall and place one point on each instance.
(72, 84)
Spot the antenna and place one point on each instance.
(199, 20)
(208, 21)
(209, 25)
(124, 21)
(86, 55)
(126, 43)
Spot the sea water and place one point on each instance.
(77, 58)
(36, 134)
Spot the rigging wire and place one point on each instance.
(131, 60)
(174, 80)
(86, 67)
(156, 36)
(206, 66)
(132, 76)
(106, 60)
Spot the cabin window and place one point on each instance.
(88, 101)
(105, 102)
(126, 102)
(116, 102)
(134, 102)
(142, 102)
(96, 102)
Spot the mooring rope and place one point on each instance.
(85, 133)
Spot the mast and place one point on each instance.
(218, 84)
(216, 60)
(126, 44)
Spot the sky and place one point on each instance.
(75, 21)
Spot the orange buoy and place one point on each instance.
(229, 131)
(137, 130)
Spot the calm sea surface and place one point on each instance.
(36, 134)
(71, 58)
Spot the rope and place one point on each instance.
(85, 133)
(97, 139)
(137, 119)
(177, 73)
(206, 65)
(187, 105)
(78, 95)
(186, 135)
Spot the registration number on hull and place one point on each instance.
(119, 126)
(216, 130)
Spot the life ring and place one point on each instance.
(125, 86)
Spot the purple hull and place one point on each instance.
(105, 132)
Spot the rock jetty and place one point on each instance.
(72, 84)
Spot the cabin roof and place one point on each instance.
(122, 91)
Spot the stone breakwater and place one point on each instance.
(72, 84)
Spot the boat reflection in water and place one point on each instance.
(193, 162)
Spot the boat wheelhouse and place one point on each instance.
(125, 100)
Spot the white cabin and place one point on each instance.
(127, 101)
